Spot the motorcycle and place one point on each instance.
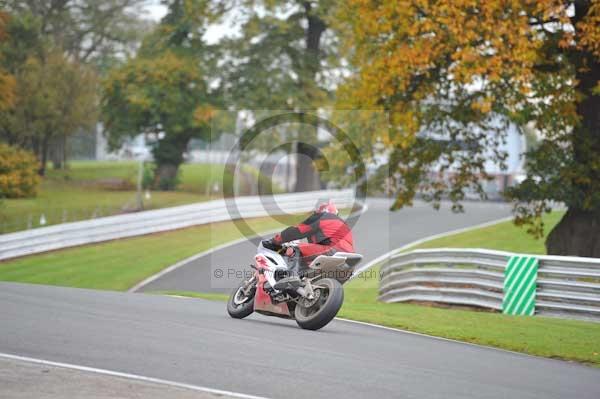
(312, 299)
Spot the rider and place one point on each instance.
(325, 231)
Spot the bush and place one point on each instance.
(18, 173)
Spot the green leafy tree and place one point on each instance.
(54, 96)
(449, 68)
(97, 31)
(91, 35)
(163, 92)
(7, 81)
(283, 61)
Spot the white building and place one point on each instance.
(514, 146)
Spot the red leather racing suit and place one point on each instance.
(326, 233)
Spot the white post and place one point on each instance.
(140, 200)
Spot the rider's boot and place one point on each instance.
(293, 279)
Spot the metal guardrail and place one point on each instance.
(567, 287)
(134, 224)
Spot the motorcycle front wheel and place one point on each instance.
(317, 313)
(241, 300)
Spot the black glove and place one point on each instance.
(269, 244)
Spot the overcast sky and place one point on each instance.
(156, 10)
(214, 32)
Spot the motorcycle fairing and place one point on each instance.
(262, 300)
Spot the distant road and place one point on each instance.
(377, 231)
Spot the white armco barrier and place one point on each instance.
(134, 224)
(565, 286)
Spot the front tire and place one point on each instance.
(240, 305)
(319, 314)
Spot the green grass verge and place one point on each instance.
(502, 236)
(120, 264)
(193, 178)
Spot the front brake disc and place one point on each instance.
(310, 302)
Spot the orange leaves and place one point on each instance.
(4, 18)
(589, 28)
(7, 81)
(406, 50)
(407, 127)
(483, 105)
(453, 75)
(7, 90)
(18, 173)
(204, 114)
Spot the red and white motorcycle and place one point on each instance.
(312, 300)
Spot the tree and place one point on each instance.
(164, 92)
(54, 96)
(281, 62)
(7, 81)
(89, 35)
(448, 68)
(88, 30)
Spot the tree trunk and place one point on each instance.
(307, 177)
(58, 152)
(165, 176)
(35, 147)
(168, 155)
(316, 27)
(64, 152)
(44, 155)
(577, 234)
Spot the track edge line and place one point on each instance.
(130, 376)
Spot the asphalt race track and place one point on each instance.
(194, 341)
(376, 232)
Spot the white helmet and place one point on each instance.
(328, 207)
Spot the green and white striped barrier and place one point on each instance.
(515, 284)
(520, 278)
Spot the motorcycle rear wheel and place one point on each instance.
(240, 305)
(319, 314)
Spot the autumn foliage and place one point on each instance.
(455, 68)
(18, 173)
(7, 81)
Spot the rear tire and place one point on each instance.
(244, 309)
(314, 319)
